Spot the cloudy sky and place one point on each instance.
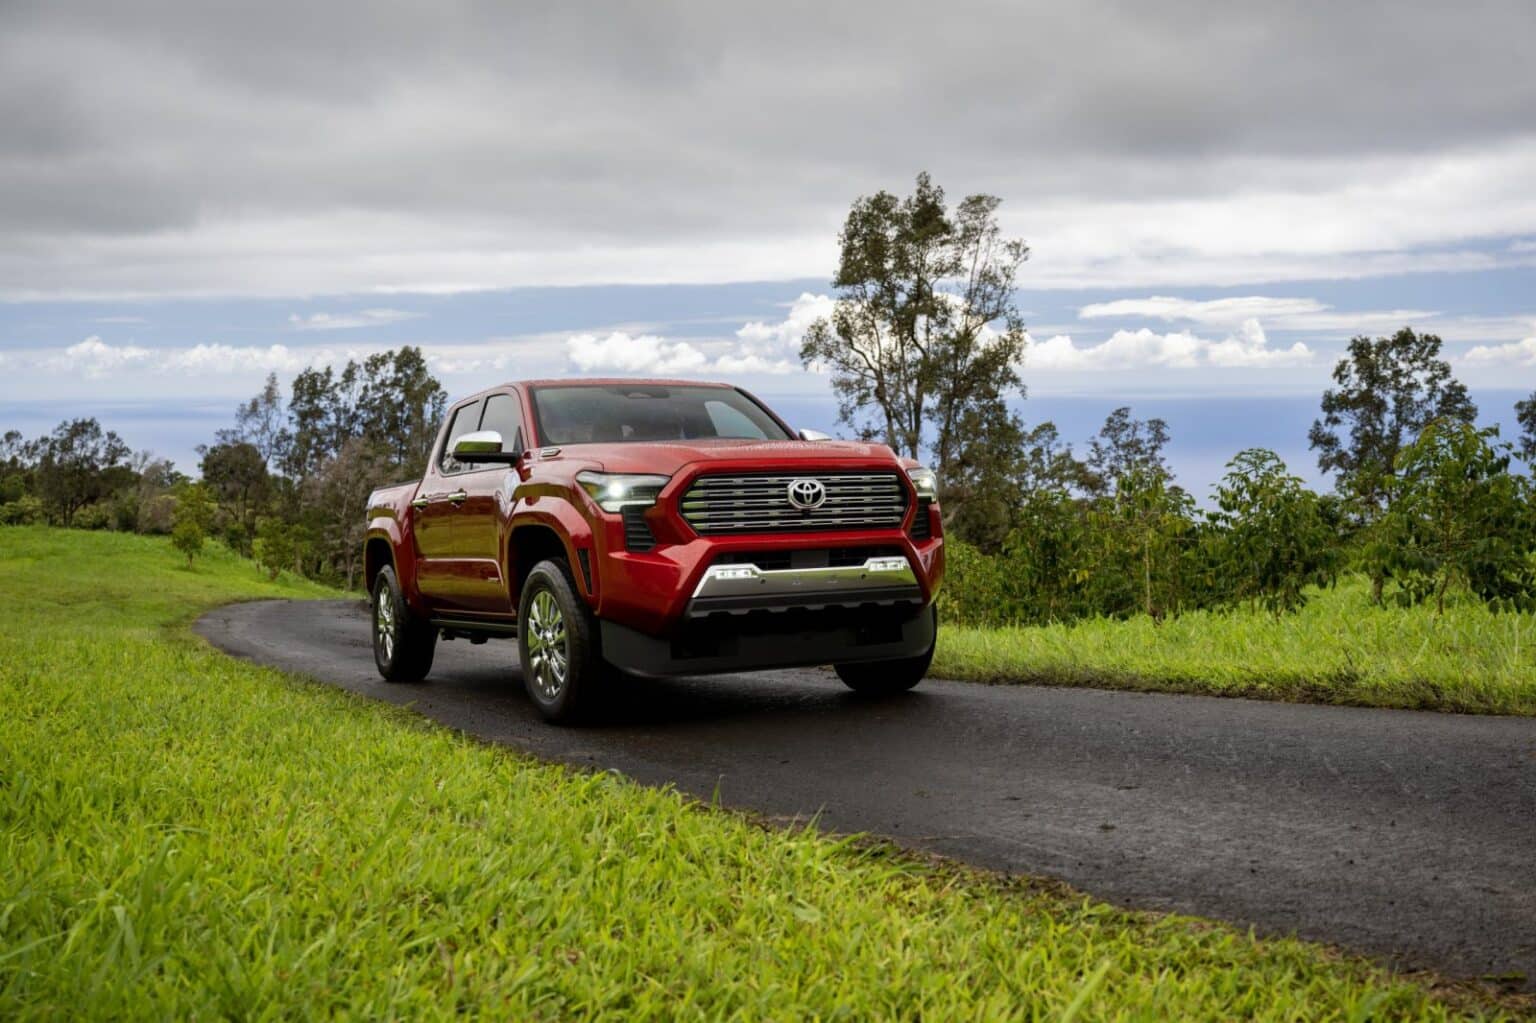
(1216, 198)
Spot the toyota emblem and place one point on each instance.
(807, 494)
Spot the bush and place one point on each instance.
(1458, 519)
(24, 511)
(157, 515)
(194, 513)
(277, 546)
(95, 516)
(1270, 538)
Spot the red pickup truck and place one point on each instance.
(655, 527)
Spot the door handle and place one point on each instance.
(458, 497)
(420, 503)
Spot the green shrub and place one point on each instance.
(26, 510)
(94, 516)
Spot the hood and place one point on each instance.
(668, 457)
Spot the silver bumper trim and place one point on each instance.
(881, 573)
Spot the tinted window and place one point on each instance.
(465, 420)
(602, 414)
(503, 415)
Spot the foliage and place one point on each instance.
(1272, 539)
(278, 546)
(95, 516)
(236, 473)
(925, 330)
(1525, 416)
(26, 510)
(260, 424)
(77, 465)
(1339, 647)
(1122, 447)
(1458, 518)
(189, 836)
(1387, 391)
(1143, 533)
(194, 514)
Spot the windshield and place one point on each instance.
(642, 412)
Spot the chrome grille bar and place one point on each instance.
(760, 503)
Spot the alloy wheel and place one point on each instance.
(384, 622)
(548, 649)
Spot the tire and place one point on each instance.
(887, 678)
(403, 643)
(563, 669)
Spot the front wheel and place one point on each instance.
(886, 678)
(557, 645)
(403, 643)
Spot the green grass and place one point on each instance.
(188, 836)
(1340, 648)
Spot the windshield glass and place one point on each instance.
(642, 412)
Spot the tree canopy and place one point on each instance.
(1387, 390)
(925, 331)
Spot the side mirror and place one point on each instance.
(814, 435)
(483, 448)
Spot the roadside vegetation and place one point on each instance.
(186, 835)
(1340, 647)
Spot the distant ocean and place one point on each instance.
(1205, 431)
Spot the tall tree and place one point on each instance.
(1124, 446)
(79, 465)
(1525, 414)
(400, 406)
(1387, 390)
(925, 330)
(237, 475)
(317, 416)
(259, 423)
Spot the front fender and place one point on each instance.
(550, 508)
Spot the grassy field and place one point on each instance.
(185, 835)
(1339, 649)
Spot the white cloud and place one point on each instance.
(1146, 349)
(351, 321)
(1518, 353)
(624, 353)
(1218, 311)
(760, 347)
(1280, 313)
(775, 347)
(207, 359)
(95, 357)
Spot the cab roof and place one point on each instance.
(619, 382)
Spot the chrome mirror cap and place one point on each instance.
(486, 442)
(814, 435)
(484, 446)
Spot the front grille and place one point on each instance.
(637, 532)
(760, 504)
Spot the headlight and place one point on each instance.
(926, 483)
(616, 491)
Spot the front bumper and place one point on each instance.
(793, 638)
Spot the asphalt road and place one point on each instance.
(1408, 836)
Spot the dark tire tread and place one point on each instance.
(415, 638)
